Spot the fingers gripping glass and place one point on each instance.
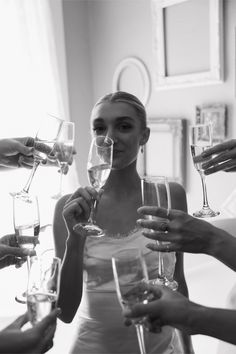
(44, 143)
(98, 167)
(200, 140)
(131, 278)
(156, 192)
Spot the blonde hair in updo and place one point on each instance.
(121, 96)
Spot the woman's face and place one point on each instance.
(120, 122)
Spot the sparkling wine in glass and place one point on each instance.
(156, 192)
(44, 143)
(131, 279)
(43, 286)
(64, 151)
(200, 140)
(26, 222)
(98, 167)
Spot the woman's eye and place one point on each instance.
(99, 130)
(125, 127)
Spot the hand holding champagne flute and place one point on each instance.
(98, 168)
(156, 192)
(44, 144)
(201, 140)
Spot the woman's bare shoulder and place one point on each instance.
(178, 196)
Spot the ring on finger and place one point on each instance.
(164, 227)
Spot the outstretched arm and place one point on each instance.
(188, 234)
(173, 309)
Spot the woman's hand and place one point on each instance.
(38, 339)
(78, 207)
(183, 232)
(167, 308)
(11, 253)
(17, 152)
(225, 159)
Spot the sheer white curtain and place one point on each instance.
(32, 81)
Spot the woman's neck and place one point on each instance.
(123, 180)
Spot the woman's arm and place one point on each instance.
(179, 202)
(69, 245)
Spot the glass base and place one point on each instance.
(21, 298)
(171, 284)
(93, 230)
(205, 213)
(21, 195)
(157, 281)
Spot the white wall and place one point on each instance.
(79, 77)
(99, 34)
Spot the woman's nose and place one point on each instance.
(110, 134)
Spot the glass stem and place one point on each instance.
(204, 191)
(140, 335)
(92, 212)
(28, 184)
(60, 182)
(160, 265)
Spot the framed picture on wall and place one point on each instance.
(187, 42)
(165, 151)
(215, 114)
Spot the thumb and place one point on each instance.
(18, 323)
(24, 150)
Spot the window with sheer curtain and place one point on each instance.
(32, 82)
(33, 79)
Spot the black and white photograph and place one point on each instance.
(117, 169)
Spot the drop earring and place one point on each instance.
(142, 149)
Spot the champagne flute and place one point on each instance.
(131, 278)
(43, 286)
(44, 144)
(200, 140)
(26, 222)
(156, 192)
(64, 151)
(98, 167)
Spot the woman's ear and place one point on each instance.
(145, 136)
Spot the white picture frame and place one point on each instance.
(165, 151)
(213, 73)
(141, 78)
(216, 115)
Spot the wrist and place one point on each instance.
(196, 318)
(75, 239)
(219, 239)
